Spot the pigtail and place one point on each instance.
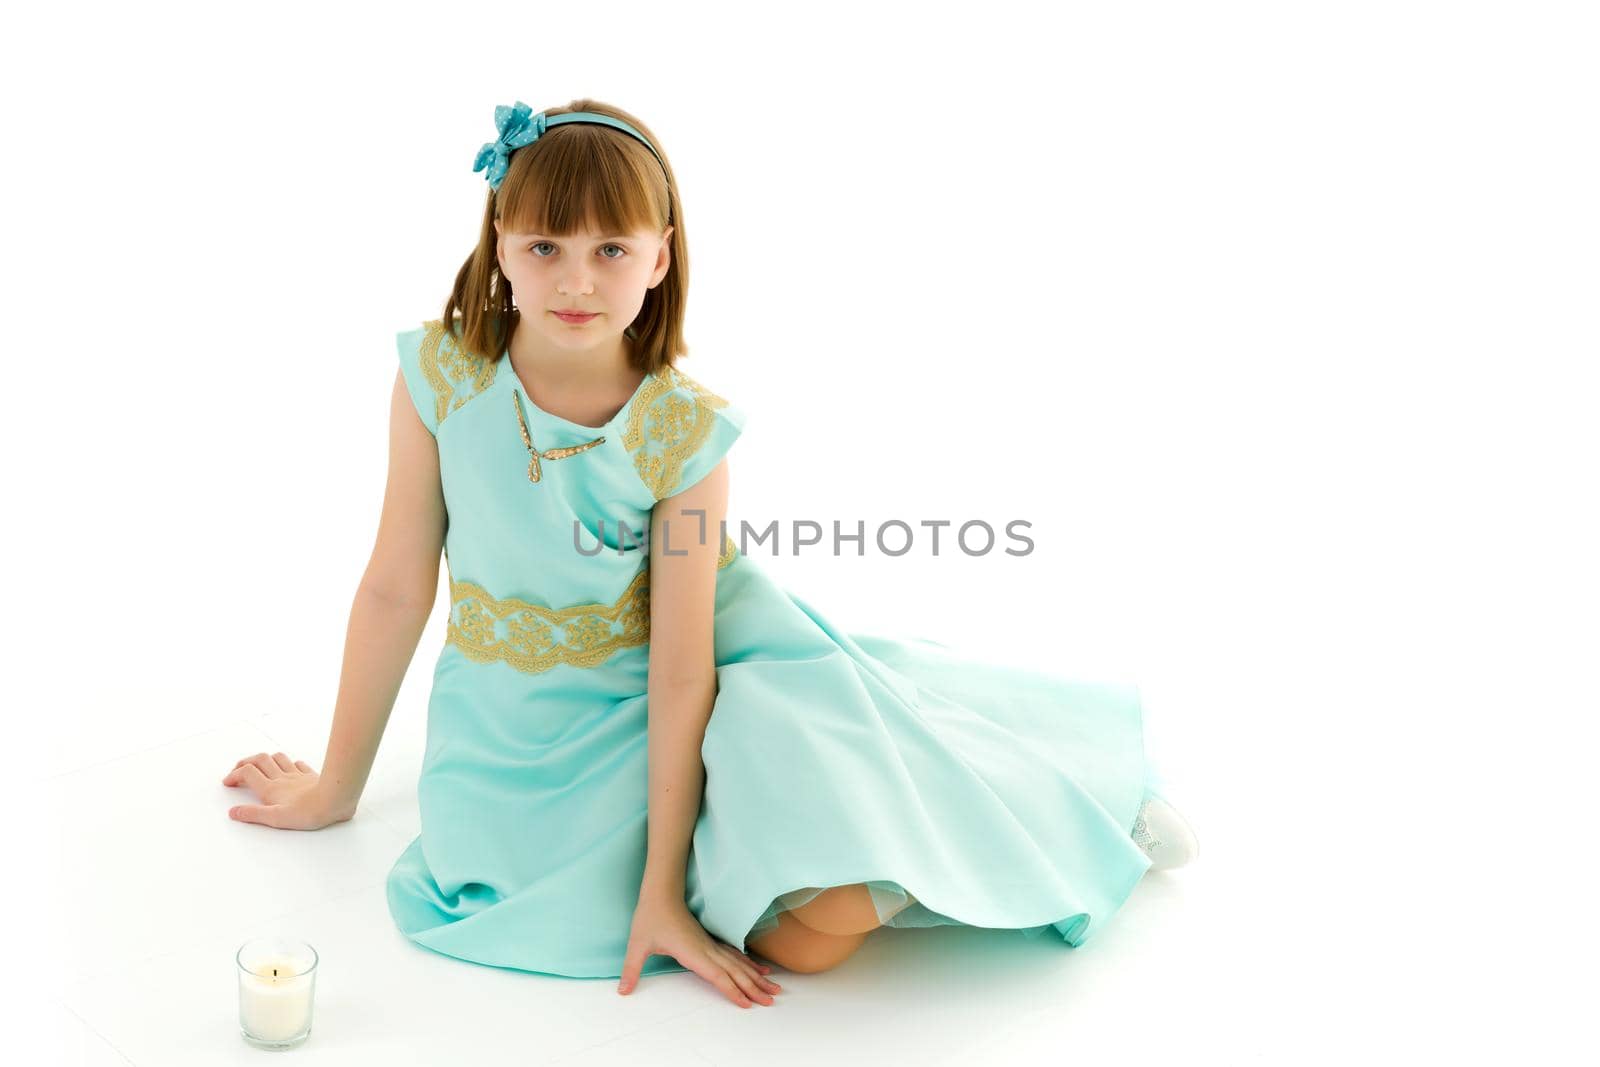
(480, 296)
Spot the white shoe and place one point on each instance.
(1165, 836)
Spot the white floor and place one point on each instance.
(1305, 933)
(158, 888)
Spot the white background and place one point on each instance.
(1276, 321)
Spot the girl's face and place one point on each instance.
(607, 274)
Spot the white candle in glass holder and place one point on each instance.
(276, 983)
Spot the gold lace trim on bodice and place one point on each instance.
(454, 375)
(665, 428)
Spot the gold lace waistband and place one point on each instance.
(534, 638)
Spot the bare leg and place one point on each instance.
(796, 947)
(842, 909)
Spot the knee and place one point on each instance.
(807, 960)
(798, 948)
(815, 955)
(842, 909)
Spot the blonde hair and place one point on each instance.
(579, 176)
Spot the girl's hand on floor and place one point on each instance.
(667, 927)
(288, 790)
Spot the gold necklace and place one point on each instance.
(534, 455)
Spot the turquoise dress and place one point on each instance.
(995, 796)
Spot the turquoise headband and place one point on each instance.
(519, 126)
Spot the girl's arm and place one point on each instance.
(391, 608)
(392, 604)
(685, 541)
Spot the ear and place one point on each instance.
(663, 260)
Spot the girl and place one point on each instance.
(642, 755)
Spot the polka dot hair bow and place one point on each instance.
(518, 126)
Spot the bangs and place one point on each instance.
(583, 179)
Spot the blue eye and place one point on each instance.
(537, 244)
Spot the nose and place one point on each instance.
(577, 281)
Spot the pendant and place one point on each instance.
(534, 455)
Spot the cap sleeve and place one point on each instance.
(438, 375)
(678, 432)
(410, 344)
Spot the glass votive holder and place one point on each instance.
(277, 983)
